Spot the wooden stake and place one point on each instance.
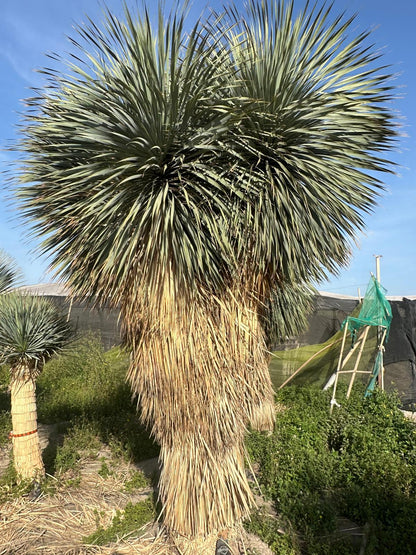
(357, 362)
(344, 362)
(380, 338)
(341, 363)
(380, 348)
(333, 401)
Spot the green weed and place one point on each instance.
(269, 530)
(5, 427)
(125, 522)
(105, 471)
(10, 486)
(137, 480)
(81, 441)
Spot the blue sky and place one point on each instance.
(29, 29)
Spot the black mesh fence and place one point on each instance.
(324, 321)
(400, 349)
(84, 318)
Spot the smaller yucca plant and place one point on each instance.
(31, 330)
(9, 273)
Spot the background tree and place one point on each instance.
(189, 177)
(31, 331)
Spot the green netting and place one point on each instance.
(378, 366)
(376, 309)
(318, 362)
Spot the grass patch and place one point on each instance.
(136, 481)
(84, 381)
(125, 522)
(86, 387)
(81, 441)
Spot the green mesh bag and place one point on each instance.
(376, 309)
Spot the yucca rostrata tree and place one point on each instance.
(188, 177)
(31, 331)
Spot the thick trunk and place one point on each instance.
(200, 371)
(258, 389)
(26, 446)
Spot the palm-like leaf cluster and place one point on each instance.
(127, 148)
(31, 331)
(191, 177)
(9, 273)
(315, 126)
(286, 312)
(223, 149)
(243, 148)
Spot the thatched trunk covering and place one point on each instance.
(199, 371)
(26, 446)
(253, 362)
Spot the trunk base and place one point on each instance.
(27, 452)
(202, 490)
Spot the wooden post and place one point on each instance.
(357, 362)
(333, 401)
(344, 362)
(381, 348)
(380, 379)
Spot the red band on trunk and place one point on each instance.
(12, 434)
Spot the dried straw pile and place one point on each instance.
(57, 523)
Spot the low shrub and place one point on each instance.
(269, 530)
(84, 381)
(359, 463)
